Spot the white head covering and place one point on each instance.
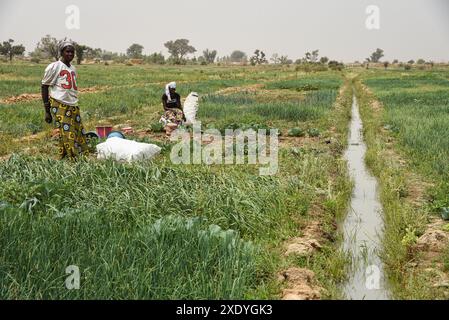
(167, 89)
(65, 43)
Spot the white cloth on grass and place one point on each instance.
(126, 150)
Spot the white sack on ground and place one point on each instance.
(127, 150)
(191, 108)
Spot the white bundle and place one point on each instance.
(127, 150)
(191, 108)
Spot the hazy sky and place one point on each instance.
(409, 29)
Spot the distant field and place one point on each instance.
(417, 114)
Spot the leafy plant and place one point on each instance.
(296, 132)
(157, 127)
(313, 132)
(410, 237)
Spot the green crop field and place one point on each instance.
(190, 153)
(154, 230)
(413, 121)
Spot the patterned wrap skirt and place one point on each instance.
(72, 141)
(175, 116)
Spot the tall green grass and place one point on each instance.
(103, 217)
(419, 119)
(307, 84)
(244, 106)
(416, 115)
(171, 258)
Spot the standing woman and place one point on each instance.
(60, 96)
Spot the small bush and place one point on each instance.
(313, 132)
(157, 127)
(410, 237)
(296, 132)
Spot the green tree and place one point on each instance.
(312, 57)
(178, 49)
(48, 47)
(324, 60)
(96, 53)
(335, 65)
(376, 56)
(209, 56)
(258, 58)
(156, 58)
(8, 49)
(420, 61)
(80, 51)
(238, 56)
(285, 60)
(275, 58)
(134, 51)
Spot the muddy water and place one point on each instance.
(363, 224)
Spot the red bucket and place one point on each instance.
(103, 131)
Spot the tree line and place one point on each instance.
(179, 53)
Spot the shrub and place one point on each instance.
(313, 132)
(296, 132)
(410, 237)
(157, 127)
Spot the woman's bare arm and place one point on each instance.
(45, 99)
(44, 91)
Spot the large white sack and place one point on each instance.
(191, 107)
(127, 150)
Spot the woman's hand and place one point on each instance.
(48, 117)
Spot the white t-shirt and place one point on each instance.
(62, 82)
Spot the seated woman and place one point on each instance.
(171, 101)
